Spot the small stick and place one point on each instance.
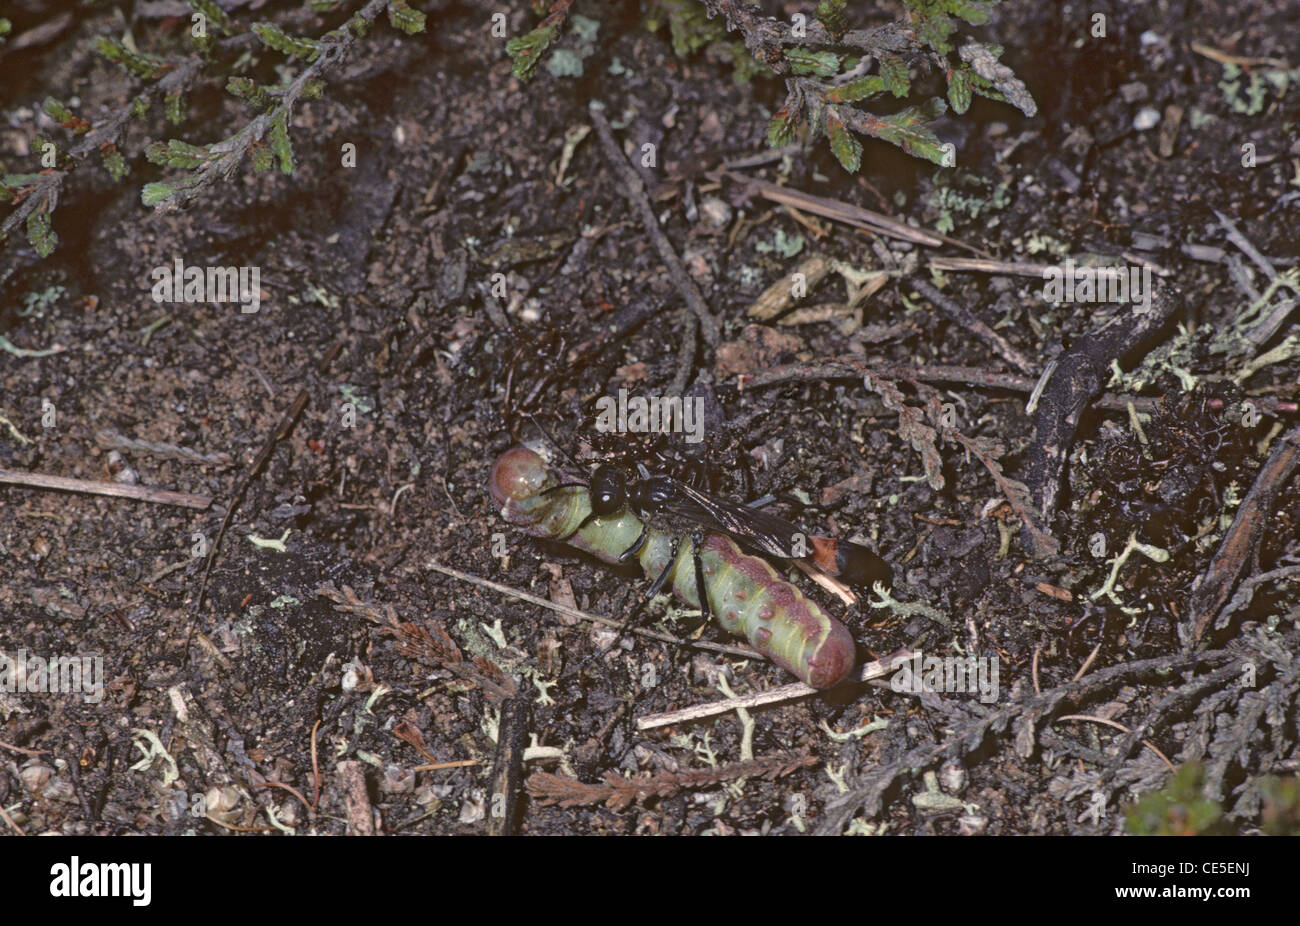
(1242, 539)
(117, 489)
(439, 766)
(361, 818)
(627, 320)
(1018, 268)
(1081, 372)
(507, 779)
(1224, 58)
(774, 696)
(1087, 663)
(779, 297)
(832, 585)
(1011, 268)
(26, 752)
(633, 190)
(315, 768)
(740, 651)
(281, 429)
(292, 790)
(238, 829)
(685, 354)
(10, 820)
(111, 440)
(17, 351)
(840, 211)
(764, 157)
(970, 376)
(966, 318)
(1243, 243)
(1118, 726)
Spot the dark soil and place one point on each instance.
(378, 302)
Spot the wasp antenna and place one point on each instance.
(550, 439)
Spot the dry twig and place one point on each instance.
(281, 429)
(1242, 539)
(116, 489)
(966, 318)
(743, 652)
(632, 188)
(781, 695)
(618, 793)
(507, 779)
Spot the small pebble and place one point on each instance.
(953, 777)
(972, 824)
(1132, 93)
(1148, 117)
(715, 212)
(35, 777)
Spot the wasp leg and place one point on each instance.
(630, 623)
(746, 475)
(697, 541)
(636, 547)
(658, 584)
(655, 588)
(563, 485)
(591, 516)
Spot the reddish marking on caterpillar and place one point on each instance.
(747, 594)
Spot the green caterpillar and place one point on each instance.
(748, 596)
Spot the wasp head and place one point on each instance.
(608, 490)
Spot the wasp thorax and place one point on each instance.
(653, 493)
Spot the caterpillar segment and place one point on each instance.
(747, 595)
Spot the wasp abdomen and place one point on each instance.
(850, 562)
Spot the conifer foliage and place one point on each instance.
(217, 50)
(829, 67)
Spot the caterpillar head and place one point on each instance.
(518, 474)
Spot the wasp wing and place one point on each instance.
(777, 537)
(765, 532)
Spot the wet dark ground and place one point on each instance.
(378, 302)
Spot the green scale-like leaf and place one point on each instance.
(830, 13)
(974, 12)
(816, 63)
(846, 148)
(40, 233)
(295, 45)
(860, 89)
(959, 90)
(249, 90)
(137, 63)
(176, 153)
(279, 139)
(893, 71)
(155, 193)
(784, 126)
(114, 163)
(527, 50)
(906, 129)
(404, 18)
